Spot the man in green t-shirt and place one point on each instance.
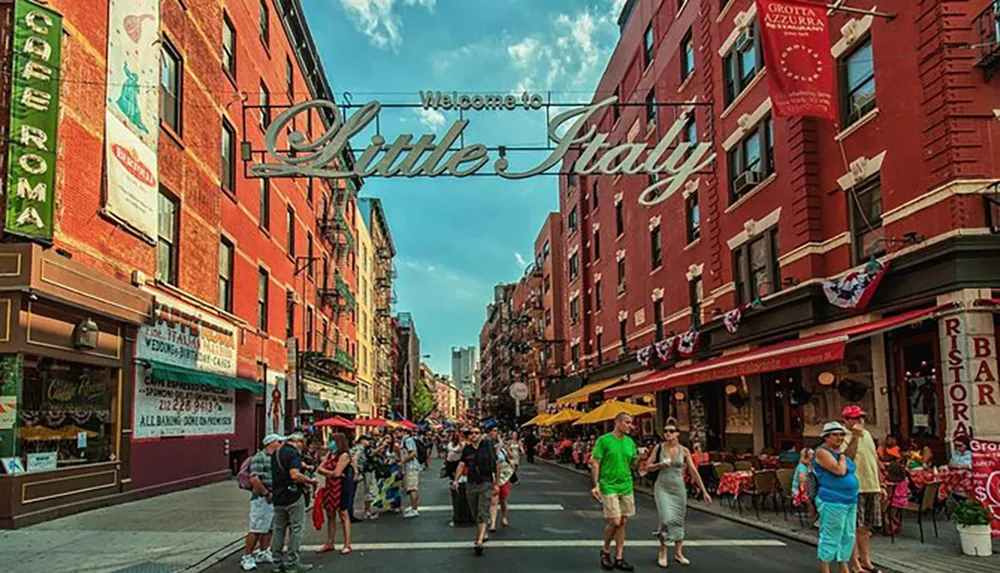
(614, 457)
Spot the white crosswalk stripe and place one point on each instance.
(512, 507)
(547, 543)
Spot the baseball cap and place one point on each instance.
(832, 428)
(852, 411)
(271, 438)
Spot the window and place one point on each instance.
(571, 179)
(265, 32)
(597, 295)
(656, 247)
(571, 220)
(547, 283)
(623, 334)
(309, 328)
(687, 56)
(289, 314)
(262, 283)
(309, 191)
(751, 160)
(621, 275)
(619, 220)
(693, 214)
(167, 231)
(574, 266)
(865, 203)
(228, 156)
(171, 74)
(226, 275)
(290, 232)
(755, 267)
(548, 317)
(265, 103)
(595, 194)
(574, 310)
(600, 351)
(857, 83)
(575, 353)
(545, 251)
(695, 294)
(616, 111)
(651, 109)
(741, 64)
(690, 135)
(309, 253)
(648, 46)
(597, 244)
(658, 318)
(265, 204)
(289, 79)
(228, 47)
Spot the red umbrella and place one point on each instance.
(371, 423)
(409, 425)
(335, 422)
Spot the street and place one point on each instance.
(554, 526)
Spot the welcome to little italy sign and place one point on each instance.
(670, 159)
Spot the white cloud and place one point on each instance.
(523, 52)
(520, 259)
(377, 20)
(431, 118)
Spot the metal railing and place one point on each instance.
(987, 26)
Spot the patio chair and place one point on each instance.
(785, 478)
(764, 484)
(744, 466)
(927, 500)
(722, 469)
(756, 464)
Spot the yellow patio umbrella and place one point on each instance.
(563, 417)
(538, 420)
(608, 410)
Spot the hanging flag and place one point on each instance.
(665, 348)
(687, 343)
(732, 318)
(856, 289)
(644, 355)
(800, 68)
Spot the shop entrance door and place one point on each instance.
(782, 414)
(918, 394)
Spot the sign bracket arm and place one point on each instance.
(838, 6)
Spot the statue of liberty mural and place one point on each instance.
(128, 99)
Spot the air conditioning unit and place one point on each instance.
(292, 296)
(745, 39)
(139, 278)
(746, 181)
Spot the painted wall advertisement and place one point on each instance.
(190, 338)
(275, 395)
(34, 117)
(986, 478)
(132, 113)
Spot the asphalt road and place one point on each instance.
(555, 526)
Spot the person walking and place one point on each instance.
(671, 460)
(530, 443)
(261, 508)
(505, 470)
(359, 459)
(836, 500)
(332, 499)
(614, 456)
(411, 473)
(860, 447)
(290, 484)
(479, 466)
(454, 454)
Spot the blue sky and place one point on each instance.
(456, 238)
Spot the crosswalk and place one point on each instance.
(548, 543)
(511, 507)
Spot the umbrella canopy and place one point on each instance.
(371, 422)
(610, 409)
(563, 417)
(409, 425)
(335, 422)
(537, 420)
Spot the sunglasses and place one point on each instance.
(475, 433)
(670, 430)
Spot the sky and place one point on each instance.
(456, 238)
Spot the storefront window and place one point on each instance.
(66, 414)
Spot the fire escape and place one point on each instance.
(987, 26)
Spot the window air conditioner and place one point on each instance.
(745, 39)
(746, 181)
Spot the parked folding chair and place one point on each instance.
(785, 478)
(927, 500)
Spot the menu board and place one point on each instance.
(164, 408)
(986, 478)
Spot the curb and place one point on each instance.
(214, 558)
(696, 505)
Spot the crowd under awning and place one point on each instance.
(816, 349)
(179, 374)
(582, 396)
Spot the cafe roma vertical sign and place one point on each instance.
(34, 116)
(796, 46)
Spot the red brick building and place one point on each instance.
(907, 175)
(174, 331)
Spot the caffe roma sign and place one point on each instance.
(671, 160)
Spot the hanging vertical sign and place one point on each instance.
(132, 114)
(800, 67)
(34, 117)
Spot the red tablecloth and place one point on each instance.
(951, 480)
(733, 483)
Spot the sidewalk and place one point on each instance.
(907, 554)
(181, 531)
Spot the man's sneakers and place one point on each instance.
(300, 568)
(264, 556)
(248, 563)
(410, 512)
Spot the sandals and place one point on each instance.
(346, 550)
(478, 548)
(682, 560)
(504, 522)
(325, 547)
(662, 561)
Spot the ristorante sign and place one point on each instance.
(671, 160)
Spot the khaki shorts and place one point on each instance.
(618, 505)
(411, 480)
(261, 515)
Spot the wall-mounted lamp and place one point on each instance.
(731, 389)
(679, 396)
(827, 378)
(85, 334)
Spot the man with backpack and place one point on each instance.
(412, 465)
(255, 476)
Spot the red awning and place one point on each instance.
(817, 349)
(988, 302)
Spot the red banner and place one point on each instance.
(800, 68)
(986, 478)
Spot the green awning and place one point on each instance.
(181, 375)
(343, 407)
(313, 402)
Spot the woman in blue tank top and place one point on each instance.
(836, 499)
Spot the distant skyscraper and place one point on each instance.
(464, 363)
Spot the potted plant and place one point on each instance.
(973, 523)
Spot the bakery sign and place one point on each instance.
(669, 162)
(182, 335)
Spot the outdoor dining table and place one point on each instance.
(733, 483)
(952, 480)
